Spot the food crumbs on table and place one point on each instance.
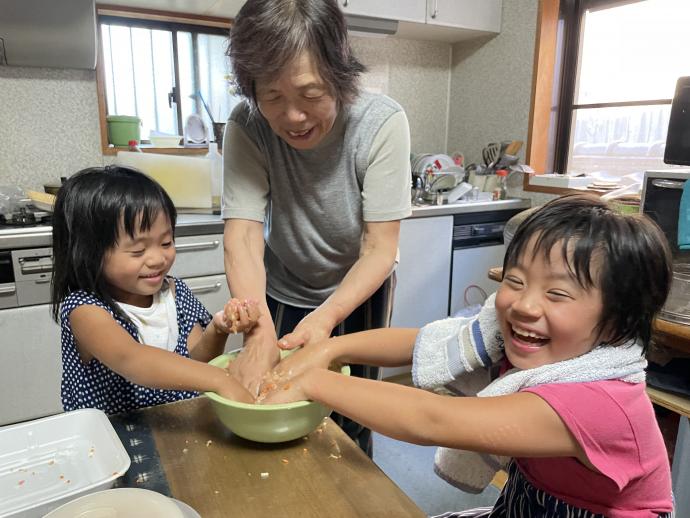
(216, 492)
(115, 474)
(51, 462)
(62, 477)
(208, 443)
(286, 387)
(68, 481)
(264, 475)
(21, 482)
(284, 461)
(333, 456)
(305, 450)
(185, 450)
(196, 442)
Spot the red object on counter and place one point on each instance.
(134, 146)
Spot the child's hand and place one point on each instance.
(238, 316)
(309, 357)
(281, 391)
(232, 389)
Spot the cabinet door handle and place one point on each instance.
(207, 245)
(434, 13)
(8, 290)
(668, 184)
(206, 288)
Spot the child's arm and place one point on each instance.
(236, 317)
(518, 425)
(391, 347)
(99, 336)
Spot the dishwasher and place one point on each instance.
(477, 246)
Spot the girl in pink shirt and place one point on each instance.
(581, 286)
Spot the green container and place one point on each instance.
(122, 129)
(268, 423)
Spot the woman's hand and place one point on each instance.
(315, 327)
(237, 316)
(258, 356)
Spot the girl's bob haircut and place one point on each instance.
(268, 34)
(626, 256)
(92, 207)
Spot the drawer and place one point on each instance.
(198, 255)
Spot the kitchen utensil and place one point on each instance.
(121, 502)
(268, 423)
(49, 461)
(186, 179)
(459, 191)
(490, 153)
(514, 147)
(195, 130)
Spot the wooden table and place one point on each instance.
(198, 461)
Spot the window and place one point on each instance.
(164, 72)
(614, 83)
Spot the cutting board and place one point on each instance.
(187, 180)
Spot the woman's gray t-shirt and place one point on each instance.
(315, 202)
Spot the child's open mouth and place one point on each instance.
(528, 338)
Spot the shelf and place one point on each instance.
(675, 403)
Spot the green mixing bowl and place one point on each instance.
(268, 423)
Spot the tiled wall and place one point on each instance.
(49, 117)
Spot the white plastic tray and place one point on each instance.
(47, 462)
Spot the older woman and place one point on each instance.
(316, 181)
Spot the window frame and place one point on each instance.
(554, 82)
(150, 19)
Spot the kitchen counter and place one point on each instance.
(182, 450)
(41, 236)
(203, 224)
(465, 207)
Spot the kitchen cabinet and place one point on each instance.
(423, 274)
(479, 15)
(402, 10)
(31, 365)
(199, 263)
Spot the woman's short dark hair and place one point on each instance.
(90, 209)
(630, 253)
(269, 34)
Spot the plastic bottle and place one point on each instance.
(500, 192)
(134, 146)
(216, 166)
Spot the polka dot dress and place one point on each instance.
(93, 385)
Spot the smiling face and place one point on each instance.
(545, 315)
(299, 106)
(135, 268)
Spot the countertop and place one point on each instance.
(182, 450)
(203, 224)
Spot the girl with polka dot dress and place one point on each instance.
(132, 336)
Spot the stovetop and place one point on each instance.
(25, 217)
